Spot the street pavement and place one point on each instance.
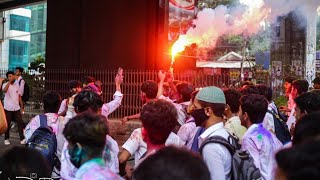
(14, 140)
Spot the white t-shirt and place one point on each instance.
(135, 144)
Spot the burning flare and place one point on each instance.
(179, 46)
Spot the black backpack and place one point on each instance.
(242, 164)
(44, 140)
(280, 127)
(26, 91)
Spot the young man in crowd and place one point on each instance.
(172, 163)
(86, 135)
(155, 118)
(13, 106)
(188, 130)
(259, 142)
(307, 129)
(19, 80)
(66, 108)
(306, 104)
(233, 123)
(51, 103)
(316, 83)
(149, 90)
(299, 87)
(208, 108)
(89, 101)
(158, 120)
(24, 162)
(288, 89)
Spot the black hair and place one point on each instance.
(185, 90)
(171, 163)
(232, 99)
(317, 91)
(22, 162)
(20, 69)
(316, 80)
(194, 94)
(255, 106)
(265, 91)
(159, 118)
(289, 79)
(217, 108)
(74, 84)
(246, 83)
(88, 79)
(300, 162)
(89, 130)
(150, 88)
(51, 102)
(87, 100)
(9, 72)
(309, 102)
(250, 89)
(307, 128)
(301, 85)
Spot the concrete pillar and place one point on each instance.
(311, 33)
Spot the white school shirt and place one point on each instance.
(262, 146)
(135, 144)
(11, 97)
(216, 156)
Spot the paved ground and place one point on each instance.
(14, 140)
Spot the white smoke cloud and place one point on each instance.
(246, 18)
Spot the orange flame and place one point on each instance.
(179, 46)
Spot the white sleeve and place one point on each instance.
(68, 170)
(21, 87)
(109, 107)
(214, 159)
(132, 144)
(31, 127)
(62, 106)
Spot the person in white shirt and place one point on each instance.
(89, 101)
(233, 123)
(13, 106)
(158, 120)
(136, 146)
(259, 142)
(51, 102)
(20, 81)
(66, 108)
(208, 108)
(188, 130)
(299, 87)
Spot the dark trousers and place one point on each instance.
(14, 116)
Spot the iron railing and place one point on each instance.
(57, 79)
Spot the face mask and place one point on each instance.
(199, 116)
(75, 156)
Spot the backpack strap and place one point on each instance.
(218, 140)
(275, 115)
(20, 82)
(43, 120)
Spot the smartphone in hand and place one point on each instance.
(120, 71)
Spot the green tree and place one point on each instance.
(214, 3)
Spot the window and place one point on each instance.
(18, 53)
(19, 23)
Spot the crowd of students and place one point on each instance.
(183, 133)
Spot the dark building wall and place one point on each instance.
(104, 34)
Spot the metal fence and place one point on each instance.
(57, 79)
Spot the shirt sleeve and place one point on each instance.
(184, 133)
(132, 144)
(249, 145)
(268, 122)
(109, 107)
(215, 161)
(21, 87)
(68, 171)
(31, 127)
(62, 106)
